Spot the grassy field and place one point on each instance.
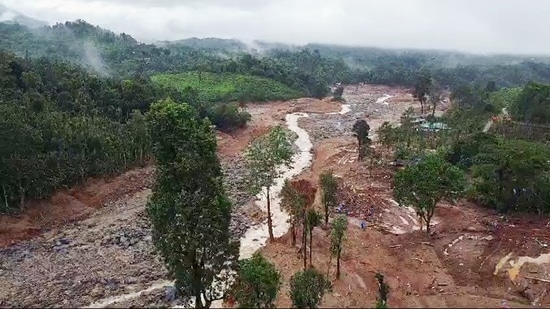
(228, 87)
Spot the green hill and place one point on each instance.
(227, 87)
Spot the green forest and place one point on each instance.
(74, 96)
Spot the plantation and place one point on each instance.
(227, 87)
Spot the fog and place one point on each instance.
(486, 26)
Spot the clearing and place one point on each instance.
(227, 87)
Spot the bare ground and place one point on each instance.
(93, 241)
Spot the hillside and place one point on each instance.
(228, 87)
(97, 49)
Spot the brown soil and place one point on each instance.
(421, 271)
(455, 267)
(264, 117)
(79, 202)
(71, 205)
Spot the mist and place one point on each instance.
(486, 27)
(92, 58)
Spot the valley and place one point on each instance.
(97, 246)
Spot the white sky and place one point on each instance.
(486, 26)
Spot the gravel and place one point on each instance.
(108, 254)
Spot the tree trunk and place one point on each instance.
(359, 145)
(421, 107)
(338, 265)
(269, 222)
(21, 197)
(326, 214)
(310, 246)
(198, 301)
(429, 216)
(328, 265)
(433, 111)
(304, 243)
(428, 219)
(293, 232)
(5, 196)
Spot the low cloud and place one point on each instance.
(488, 26)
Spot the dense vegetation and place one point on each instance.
(64, 124)
(308, 69)
(60, 125)
(228, 87)
(508, 170)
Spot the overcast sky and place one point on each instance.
(486, 26)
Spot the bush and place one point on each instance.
(227, 117)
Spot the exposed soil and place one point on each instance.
(455, 267)
(93, 241)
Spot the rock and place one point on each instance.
(170, 294)
(97, 292)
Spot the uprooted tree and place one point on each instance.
(329, 186)
(307, 288)
(257, 283)
(361, 131)
(189, 210)
(424, 184)
(337, 237)
(263, 159)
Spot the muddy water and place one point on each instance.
(256, 237)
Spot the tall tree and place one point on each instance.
(307, 288)
(313, 219)
(337, 236)
(424, 184)
(422, 88)
(361, 131)
(263, 159)
(305, 196)
(294, 204)
(258, 283)
(189, 210)
(329, 185)
(435, 97)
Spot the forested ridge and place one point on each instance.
(73, 96)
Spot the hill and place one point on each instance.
(10, 16)
(228, 87)
(99, 50)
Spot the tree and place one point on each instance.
(361, 131)
(313, 219)
(329, 185)
(257, 283)
(426, 183)
(304, 195)
(435, 97)
(383, 290)
(338, 92)
(337, 236)
(307, 288)
(263, 159)
(293, 203)
(422, 88)
(189, 211)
